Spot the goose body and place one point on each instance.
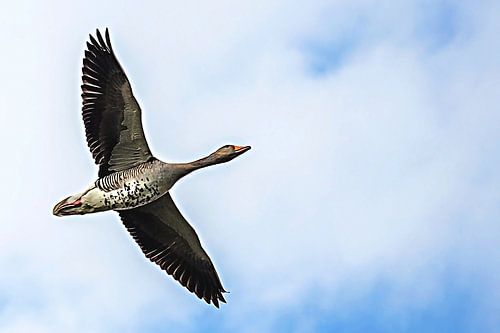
(133, 182)
(137, 186)
(126, 189)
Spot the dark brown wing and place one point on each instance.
(168, 240)
(110, 112)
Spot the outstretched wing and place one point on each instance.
(168, 240)
(110, 112)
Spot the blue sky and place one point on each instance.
(369, 202)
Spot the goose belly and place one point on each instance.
(132, 188)
(133, 194)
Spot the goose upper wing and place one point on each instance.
(168, 240)
(110, 111)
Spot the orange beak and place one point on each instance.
(241, 149)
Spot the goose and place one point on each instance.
(134, 183)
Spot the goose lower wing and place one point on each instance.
(168, 240)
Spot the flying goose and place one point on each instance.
(133, 182)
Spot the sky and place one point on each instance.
(368, 203)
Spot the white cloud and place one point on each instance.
(381, 170)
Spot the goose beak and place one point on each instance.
(65, 207)
(241, 149)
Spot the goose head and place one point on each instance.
(69, 206)
(228, 152)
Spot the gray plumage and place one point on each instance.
(135, 183)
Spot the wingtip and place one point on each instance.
(218, 297)
(108, 39)
(100, 39)
(93, 41)
(98, 34)
(215, 302)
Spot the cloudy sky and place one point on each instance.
(370, 199)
